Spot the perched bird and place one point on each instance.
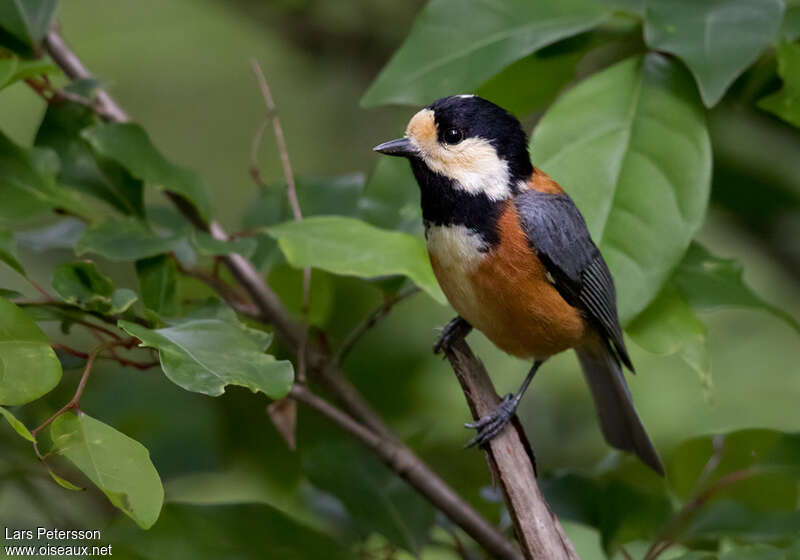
(515, 259)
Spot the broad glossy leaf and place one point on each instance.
(622, 510)
(769, 454)
(790, 28)
(456, 45)
(18, 426)
(7, 68)
(755, 552)
(205, 353)
(630, 145)
(28, 366)
(717, 39)
(121, 300)
(669, 326)
(158, 284)
(709, 282)
(116, 464)
(63, 482)
(377, 500)
(81, 168)
(63, 234)
(348, 246)
(27, 183)
(785, 103)
(27, 20)
(726, 518)
(8, 251)
(208, 245)
(124, 239)
(129, 145)
(232, 531)
(81, 284)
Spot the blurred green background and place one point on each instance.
(181, 69)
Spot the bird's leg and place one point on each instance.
(455, 330)
(492, 424)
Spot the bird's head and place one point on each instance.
(478, 147)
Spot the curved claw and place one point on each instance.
(454, 330)
(491, 425)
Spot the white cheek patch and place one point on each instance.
(473, 165)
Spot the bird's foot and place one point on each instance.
(492, 424)
(453, 331)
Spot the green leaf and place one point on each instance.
(81, 284)
(158, 284)
(121, 300)
(726, 518)
(63, 234)
(790, 28)
(13, 70)
(208, 245)
(377, 500)
(785, 103)
(771, 456)
(27, 20)
(8, 66)
(124, 239)
(709, 282)
(348, 246)
(64, 483)
(754, 552)
(116, 464)
(8, 251)
(235, 531)
(27, 183)
(620, 509)
(28, 366)
(669, 326)
(716, 39)
(28, 68)
(640, 177)
(456, 45)
(205, 353)
(18, 426)
(129, 145)
(81, 168)
(9, 294)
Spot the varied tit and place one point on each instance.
(514, 257)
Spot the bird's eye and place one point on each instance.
(453, 136)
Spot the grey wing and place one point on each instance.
(557, 232)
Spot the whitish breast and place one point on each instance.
(456, 251)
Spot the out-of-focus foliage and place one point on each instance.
(633, 104)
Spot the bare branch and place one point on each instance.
(537, 528)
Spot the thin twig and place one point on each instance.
(291, 191)
(372, 319)
(74, 402)
(113, 357)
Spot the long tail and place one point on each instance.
(619, 422)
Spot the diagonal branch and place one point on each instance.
(537, 528)
(271, 310)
